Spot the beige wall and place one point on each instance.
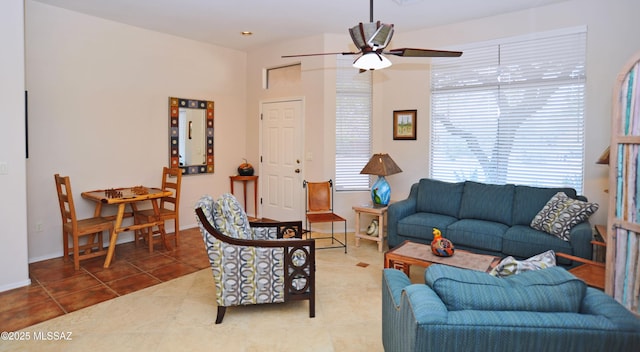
(98, 110)
(13, 215)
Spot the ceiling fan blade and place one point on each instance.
(318, 54)
(409, 52)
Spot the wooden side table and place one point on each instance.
(244, 180)
(599, 251)
(380, 213)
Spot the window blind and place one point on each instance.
(511, 112)
(353, 125)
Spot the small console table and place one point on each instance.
(244, 180)
(375, 211)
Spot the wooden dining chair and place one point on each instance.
(169, 209)
(74, 228)
(319, 209)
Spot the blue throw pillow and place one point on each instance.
(548, 290)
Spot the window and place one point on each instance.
(353, 125)
(511, 112)
(283, 76)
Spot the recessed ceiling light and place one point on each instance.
(406, 2)
(246, 33)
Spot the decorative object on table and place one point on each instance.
(112, 193)
(139, 190)
(245, 169)
(381, 165)
(404, 124)
(372, 230)
(441, 246)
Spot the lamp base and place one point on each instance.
(381, 192)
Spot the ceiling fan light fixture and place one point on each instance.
(371, 61)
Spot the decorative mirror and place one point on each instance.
(191, 135)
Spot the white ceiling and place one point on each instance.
(220, 22)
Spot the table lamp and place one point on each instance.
(381, 165)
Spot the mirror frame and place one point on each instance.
(174, 112)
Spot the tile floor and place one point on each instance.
(57, 289)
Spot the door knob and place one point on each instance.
(297, 171)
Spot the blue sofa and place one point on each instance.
(464, 310)
(484, 218)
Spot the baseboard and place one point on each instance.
(13, 285)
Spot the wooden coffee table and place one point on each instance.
(412, 253)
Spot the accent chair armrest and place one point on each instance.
(252, 243)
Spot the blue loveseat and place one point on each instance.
(464, 310)
(484, 218)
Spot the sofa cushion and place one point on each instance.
(523, 242)
(549, 290)
(480, 234)
(439, 197)
(487, 202)
(527, 201)
(420, 225)
(561, 213)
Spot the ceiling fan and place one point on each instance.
(371, 39)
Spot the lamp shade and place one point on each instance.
(381, 165)
(371, 61)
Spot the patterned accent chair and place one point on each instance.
(257, 262)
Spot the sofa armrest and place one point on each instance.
(427, 306)
(395, 281)
(397, 211)
(405, 307)
(580, 238)
(595, 302)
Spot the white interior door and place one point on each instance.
(281, 169)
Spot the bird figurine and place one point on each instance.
(441, 246)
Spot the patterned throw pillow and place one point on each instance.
(562, 213)
(510, 266)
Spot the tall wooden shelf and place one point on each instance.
(622, 279)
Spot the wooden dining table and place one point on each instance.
(121, 197)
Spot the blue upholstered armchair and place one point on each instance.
(258, 262)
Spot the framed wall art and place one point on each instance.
(404, 124)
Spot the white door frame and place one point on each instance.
(301, 207)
